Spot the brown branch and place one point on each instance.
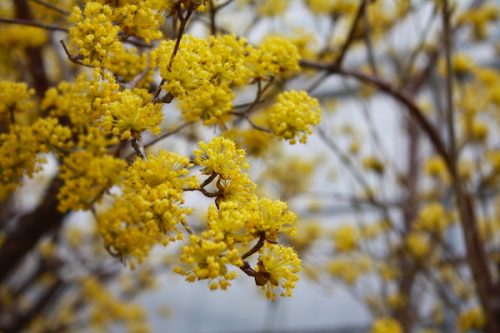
(72, 58)
(256, 247)
(29, 229)
(401, 96)
(138, 146)
(167, 134)
(352, 33)
(183, 22)
(32, 24)
(36, 66)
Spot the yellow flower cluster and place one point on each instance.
(202, 73)
(436, 168)
(127, 64)
(471, 319)
(17, 157)
(208, 258)
(86, 177)
(15, 98)
(433, 218)
(83, 101)
(386, 325)
(106, 310)
(212, 105)
(331, 7)
(51, 136)
(132, 113)
(345, 238)
(141, 18)
(479, 18)
(150, 208)
(293, 115)
(276, 57)
(22, 37)
(349, 269)
(418, 245)
(277, 270)
(241, 222)
(374, 164)
(220, 156)
(93, 34)
(238, 218)
(19, 149)
(272, 8)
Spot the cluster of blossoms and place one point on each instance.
(21, 147)
(237, 219)
(293, 116)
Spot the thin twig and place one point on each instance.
(33, 24)
(352, 33)
(71, 57)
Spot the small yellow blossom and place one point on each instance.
(142, 19)
(22, 37)
(132, 113)
(276, 57)
(345, 238)
(471, 319)
(386, 325)
(418, 245)
(209, 259)
(15, 98)
(432, 218)
(86, 177)
(272, 8)
(293, 115)
(93, 34)
(374, 164)
(211, 104)
(220, 156)
(277, 268)
(150, 209)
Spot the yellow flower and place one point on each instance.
(151, 208)
(190, 68)
(372, 163)
(86, 177)
(83, 101)
(277, 268)
(22, 37)
(471, 319)
(19, 149)
(272, 8)
(435, 167)
(345, 238)
(432, 218)
(15, 98)
(418, 245)
(93, 34)
(208, 259)
(245, 221)
(348, 269)
(220, 156)
(211, 104)
(386, 325)
(275, 57)
(132, 113)
(142, 19)
(293, 115)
